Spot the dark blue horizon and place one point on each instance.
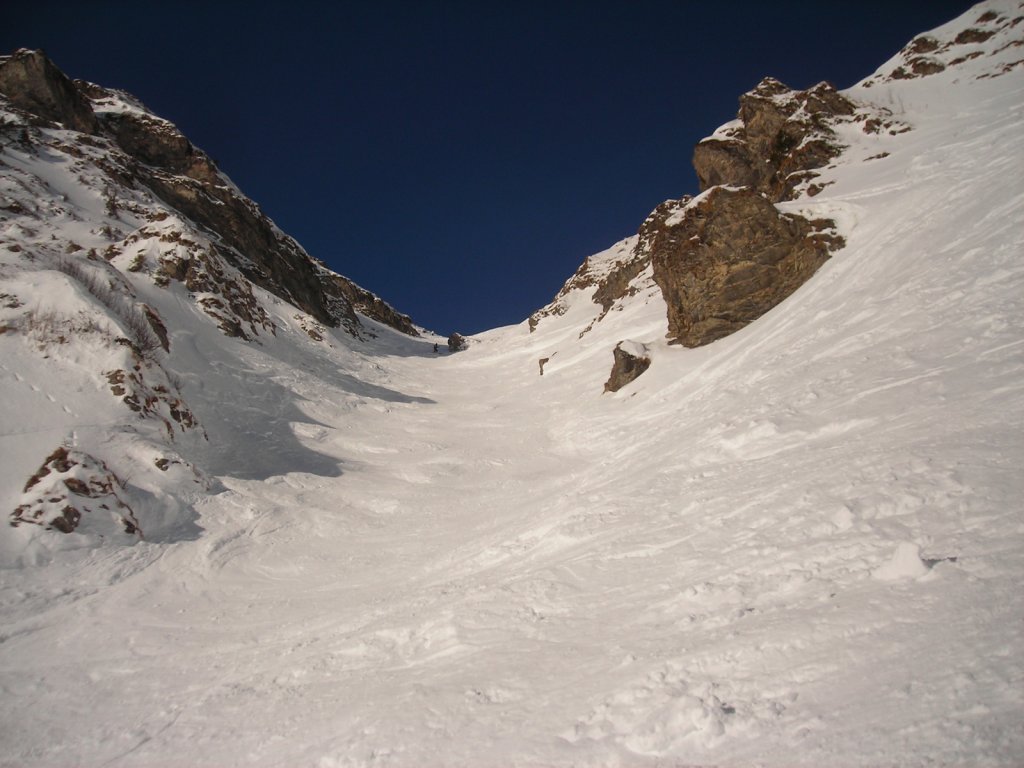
(457, 160)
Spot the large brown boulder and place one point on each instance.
(631, 360)
(729, 257)
(725, 258)
(779, 138)
(457, 342)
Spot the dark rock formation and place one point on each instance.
(780, 137)
(612, 283)
(631, 360)
(186, 179)
(927, 55)
(35, 86)
(158, 327)
(156, 401)
(726, 258)
(156, 143)
(373, 306)
(69, 486)
(457, 342)
(163, 160)
(615, 284)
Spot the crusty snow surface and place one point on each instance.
(800, 545)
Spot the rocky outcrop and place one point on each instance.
(72, 487)
(612, 272)
(163, 160)
(779, 138)
(616, 284)
(726, 257)
(457, 342)
(631, 360)
(156, 401)
(156, 143)
(186, 179)
(994, 36)
(34, 85)
(372, 306)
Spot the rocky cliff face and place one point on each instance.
(121, 244)
(763, 224)
(728, 256)
(149, 152)
(33, 85)
(777, 141)
(724, 258)
(993, 34)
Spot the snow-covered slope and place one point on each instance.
(129, 264)
(799, 545)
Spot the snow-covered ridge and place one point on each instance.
(133, 148)
(116, 235)
(986, 42)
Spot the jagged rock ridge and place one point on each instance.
(114, 229)
(609, 273)
(724, 258)
(993, 34)
(779, 137)
(155, 155)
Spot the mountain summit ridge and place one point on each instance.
(161, 159)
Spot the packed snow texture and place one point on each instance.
(800, 545)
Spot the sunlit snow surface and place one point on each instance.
(801, 545)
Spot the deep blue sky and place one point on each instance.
(460, 159)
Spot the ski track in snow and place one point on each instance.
(801, 545)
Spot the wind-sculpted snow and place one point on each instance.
(799, 545)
